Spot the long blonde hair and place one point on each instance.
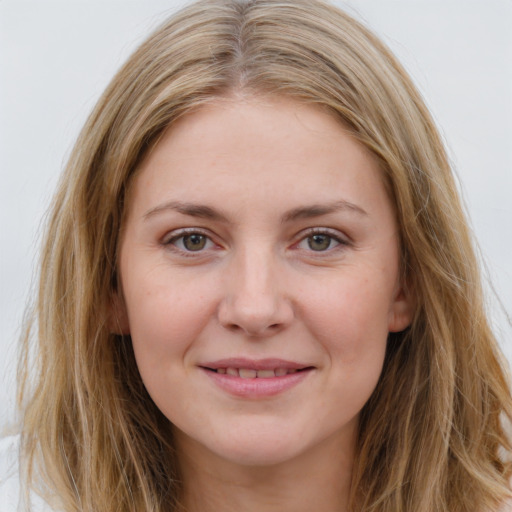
(431, 437)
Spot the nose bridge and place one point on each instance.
(256, 268)
(254, 300)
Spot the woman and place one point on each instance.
(258, 289)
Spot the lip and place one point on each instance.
(254, 364)
(256, 387)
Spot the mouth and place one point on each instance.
(256, 379)
(253, 373)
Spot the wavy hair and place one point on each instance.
(431, 437)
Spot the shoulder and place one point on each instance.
(10, 488)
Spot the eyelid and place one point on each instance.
(170, 237)
(177, 233)
(342, 239)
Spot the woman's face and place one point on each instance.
(260, 278)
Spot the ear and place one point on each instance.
(118, 315)
(402, 309)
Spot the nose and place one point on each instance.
(254, 301)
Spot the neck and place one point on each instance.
(316, 480)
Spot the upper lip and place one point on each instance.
(254, 364)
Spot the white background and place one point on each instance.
(56, 57)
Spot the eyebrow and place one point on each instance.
(317, 210)
(190, 209)
(302, 212)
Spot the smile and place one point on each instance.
(256, 379)
(249, 373)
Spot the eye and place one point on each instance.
(190, 241)
(321, 241)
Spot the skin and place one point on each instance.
(275, 173)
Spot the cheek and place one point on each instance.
(165, 321)
(352, 304)
(165, 315)
(349, 317)
(350, 322)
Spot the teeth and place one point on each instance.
(266, 374)
(247, 373)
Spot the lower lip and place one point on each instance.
(257, 388)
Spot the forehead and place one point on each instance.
(276, 146)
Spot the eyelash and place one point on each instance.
(332, 235)
(172, 239)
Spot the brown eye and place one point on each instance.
(194, 242)
(190, 242)
(320, 242)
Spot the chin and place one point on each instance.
(260, 453)
(254, 443)
(274, 443)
